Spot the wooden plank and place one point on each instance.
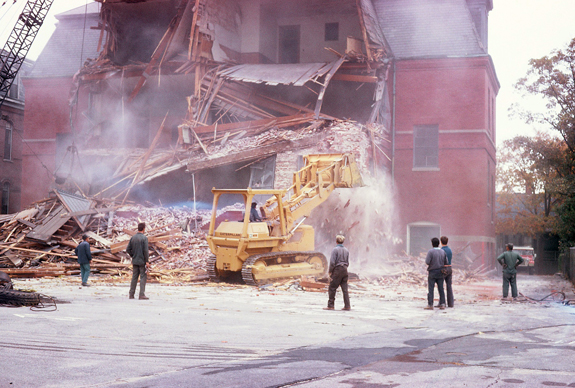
(355, 78)
(50, 225)
(314, 285)
(42, 252)
(27, 223)
(104, 241)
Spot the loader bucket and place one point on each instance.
(354, 177)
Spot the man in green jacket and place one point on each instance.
(510, 260)
(138, 251)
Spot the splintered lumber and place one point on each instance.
(122, 245)
(105, 242)
(313, 286)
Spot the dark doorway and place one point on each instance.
(289, 39)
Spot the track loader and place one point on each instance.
(280, 246)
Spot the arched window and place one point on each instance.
(8, 142)
(5, 197)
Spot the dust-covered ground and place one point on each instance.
(225, 335)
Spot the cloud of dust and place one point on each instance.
(365, 216)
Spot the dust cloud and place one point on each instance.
(365, 216)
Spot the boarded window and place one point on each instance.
(5, 197)
(426, 146)
(8, 142)
(331, 31)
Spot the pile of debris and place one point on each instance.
(408, 269)
(40, 240)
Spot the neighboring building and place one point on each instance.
(416, 74)
(48, 88)
(11, 129)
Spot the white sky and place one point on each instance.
(518, 31)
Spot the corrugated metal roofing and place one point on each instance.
(296, 74)
(428, 28)
(75, 203)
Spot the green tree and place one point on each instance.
(527, 177)
(553, 78)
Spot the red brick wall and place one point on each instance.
(47, 113)
(453, 94)
(11, 170)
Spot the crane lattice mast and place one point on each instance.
(19, 42)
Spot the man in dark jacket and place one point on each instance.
(448, 271)
(254, 216)
(436, 259)
(138, 251)
(84, 258)
(510, 260)
(338, 264)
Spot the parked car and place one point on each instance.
(529, 256)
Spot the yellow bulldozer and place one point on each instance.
(280, 245)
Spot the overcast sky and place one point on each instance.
(518, 31)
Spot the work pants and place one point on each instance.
(435, 277)
(84, 272)
(338, 279)
(509, 278)
(449, 288)
(138, 271)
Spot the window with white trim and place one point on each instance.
(8, 142)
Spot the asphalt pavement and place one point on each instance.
(219, 335)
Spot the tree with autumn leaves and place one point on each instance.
(536, 175)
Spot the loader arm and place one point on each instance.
(312, 185)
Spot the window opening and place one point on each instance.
(426, 146)
(331, 31)
(289, 42)
(8, 142)
(5, 197)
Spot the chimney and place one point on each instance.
(479, 10)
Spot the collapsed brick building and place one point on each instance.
(156, 100)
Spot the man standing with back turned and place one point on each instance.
(436, 259)
(338, 264)
(138, 250)
(509, 260)
(84, 258)
(447, 271)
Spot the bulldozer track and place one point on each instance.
(211, 263)
(247, 275)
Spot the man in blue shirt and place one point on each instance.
(84, 258)
(447, 271)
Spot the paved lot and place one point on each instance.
(236, 336)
